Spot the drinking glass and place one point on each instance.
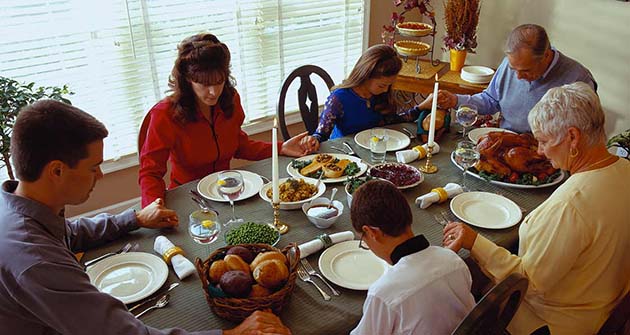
(378, 145)
(466, 155)
(203, 226)
(466, 115)
(231, 186)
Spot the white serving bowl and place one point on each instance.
(320, 222)
(477, 74)
(295, 204)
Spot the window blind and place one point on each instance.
(117, 55)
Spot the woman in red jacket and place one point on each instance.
(198, 127)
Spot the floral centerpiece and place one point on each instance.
(423, 6)
(461, 18)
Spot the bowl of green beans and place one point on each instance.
(251, 233)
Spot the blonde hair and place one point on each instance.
(572, 105)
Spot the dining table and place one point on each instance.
(306, 312)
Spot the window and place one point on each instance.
(116, 55)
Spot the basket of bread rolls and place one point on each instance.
(240, 279)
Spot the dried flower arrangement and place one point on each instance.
(423, 6)
(461, 18)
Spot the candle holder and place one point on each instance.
(428, 166)
(279, 225)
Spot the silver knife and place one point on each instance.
(155, 297)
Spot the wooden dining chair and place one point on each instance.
(618, 322)
(495, 310)
(309, 112)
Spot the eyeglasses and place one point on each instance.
(362, 244)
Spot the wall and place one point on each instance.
(594, 32)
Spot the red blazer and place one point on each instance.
(195, 149)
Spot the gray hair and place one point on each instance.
(528, 36)
(572, 105)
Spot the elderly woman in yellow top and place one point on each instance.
(573, 248)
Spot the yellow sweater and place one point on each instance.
(574, 250)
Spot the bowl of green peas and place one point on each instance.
(251, 233)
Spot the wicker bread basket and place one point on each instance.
(412, 48)
(408, 29)
(237, 309)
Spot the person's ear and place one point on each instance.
(575, 136)
(374, 233)
(54, 169)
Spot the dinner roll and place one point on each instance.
(271, 274)
(236, 263)
(265, 256)
(217, 269)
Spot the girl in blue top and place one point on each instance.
(364, 100)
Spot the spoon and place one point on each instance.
(172, 286)
(159, 304)
(332, 197)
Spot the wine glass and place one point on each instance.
(231, 186)
(466, 115)
(203, 226)
(466, 155)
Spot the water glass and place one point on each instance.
(466, 155)
(466, 115)
(378, 145)
(203, 226)
(231, 186)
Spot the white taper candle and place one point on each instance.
(274, 163)
(433, 113)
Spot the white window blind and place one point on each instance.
(117, 55)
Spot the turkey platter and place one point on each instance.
(513, 158)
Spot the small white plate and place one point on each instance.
(558, 179)
(362, 167)
(129, 277)
(294, 204)
(209, 189)
(349, 266)
(486, 210)
(396, 141)
(475, 134)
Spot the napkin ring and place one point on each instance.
(441, 192)
(325, 240)
(422, 152)
(170, 252)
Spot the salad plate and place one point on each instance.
(208, 187)
(396, 140)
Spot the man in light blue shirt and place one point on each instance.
(530, 68)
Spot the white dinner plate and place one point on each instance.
(362, 167)
(129, 277)
(475, 134)
(553, 182)
(209, 189)
(396, 141)
(349, 266)
(294, 204)
(486, 210)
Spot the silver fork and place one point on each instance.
(126, 248)
(440, 220)
(309, 269)
(411, 135)
(448, 216)
(306, 278)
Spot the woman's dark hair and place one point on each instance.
(50, 130)
(380, 204)
(378, 61)
(203, 59)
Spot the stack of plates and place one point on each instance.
(477, 74)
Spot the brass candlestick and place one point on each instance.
(428, 166)
(279, 225)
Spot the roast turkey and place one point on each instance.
(510, 155)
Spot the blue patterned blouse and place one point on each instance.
(345, 112)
